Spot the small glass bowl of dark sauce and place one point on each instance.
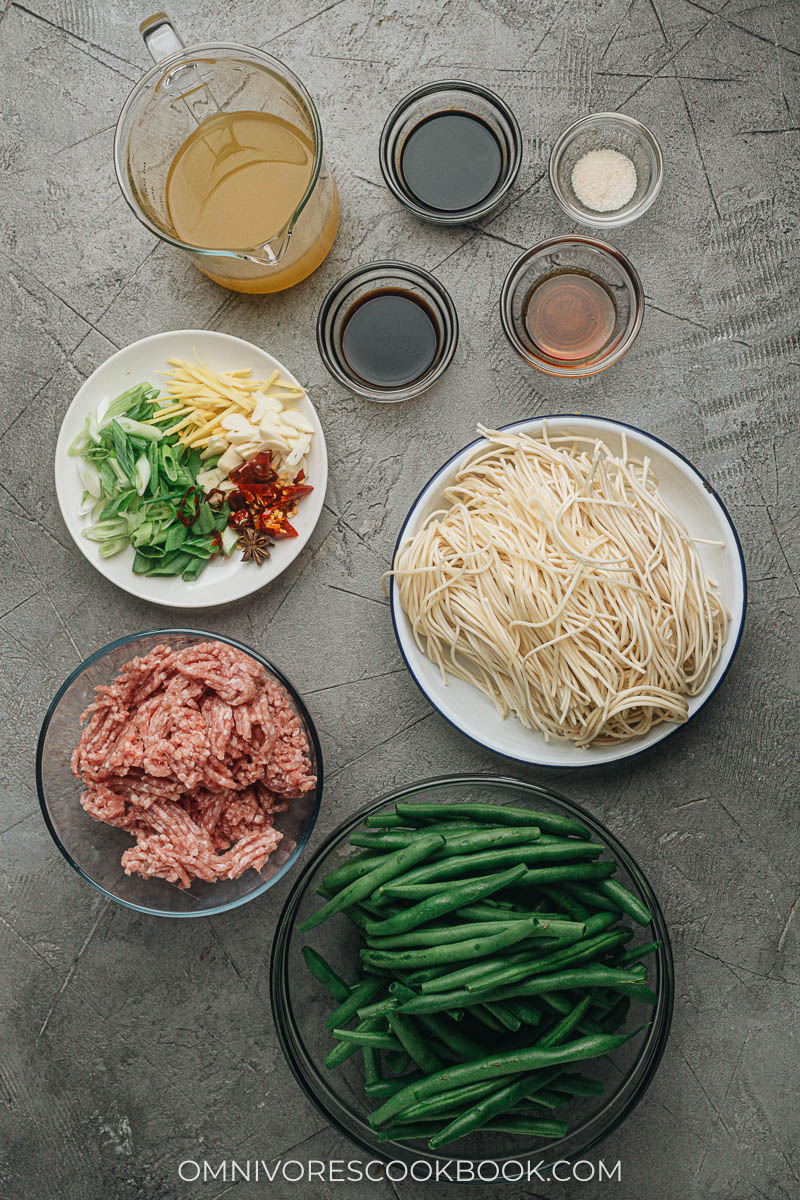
(387, 331)
(450, 151)
(571, 306)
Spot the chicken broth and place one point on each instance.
(237, 180)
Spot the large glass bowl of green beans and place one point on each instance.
(473, 967)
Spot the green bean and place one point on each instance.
(360, 994)
(481, 1013)
(451, 868)
(397, 1061)
(497, 1102)
(487, 912)
(577, 1085)
(456, 1098)
(529, 1014)
(401, 992)
(527, 1127)
(492, 814)
(575, 977)
(565, 901)
(432, 956)
(503, 1015)
(495, 1066)
(383, 821)
(399, 890)
(630, 904)
(357, 916)
(407, 1133)
(452, 1037)
(414, 1045)
(636, 952)
(563, 1028)
(379, 1009)
(438, 934)
(354, 868)
(576, 952)
(544, 875)
(344, 1050)
(325, 973)
(590, 897)
(394, 864)
(448, 900)
(381, 1089)
(368, 1037)
(497, 972)
(372, 1070)
(457, 841)
(546, 1098)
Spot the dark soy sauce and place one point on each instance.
(570, 316)
(389, 339)
(451, 161)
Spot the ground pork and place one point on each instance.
(193, 752)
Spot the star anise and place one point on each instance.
(254, 545)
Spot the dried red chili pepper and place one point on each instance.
(261, 501)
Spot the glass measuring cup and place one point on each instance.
(192, 85)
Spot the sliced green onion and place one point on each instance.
(141, 474)
(151, 432)
(103, 530)
(113, 546)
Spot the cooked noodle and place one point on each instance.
(560, 584)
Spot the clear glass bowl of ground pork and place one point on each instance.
(179, 772)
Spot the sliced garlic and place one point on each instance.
(230, 460)
(297, 420)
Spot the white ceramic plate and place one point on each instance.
(690, 498)
(223, 580)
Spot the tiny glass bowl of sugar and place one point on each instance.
(603, 178)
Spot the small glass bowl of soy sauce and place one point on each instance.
(387, 331)
(450, 151)
(571, 306)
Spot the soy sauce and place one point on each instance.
(389, 339)
(570, 316)
(451, 161)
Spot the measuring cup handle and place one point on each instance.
(160, 37)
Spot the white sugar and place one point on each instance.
(604, 180)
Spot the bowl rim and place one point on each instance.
(580, 370)
(606, 220)
(331, 361)
(129, 639)
(669, 730)
(406, 198)
(282, 1010)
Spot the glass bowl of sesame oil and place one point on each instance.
(571, 306)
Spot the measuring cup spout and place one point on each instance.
(271, 253)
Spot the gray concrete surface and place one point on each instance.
(128, 1045)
